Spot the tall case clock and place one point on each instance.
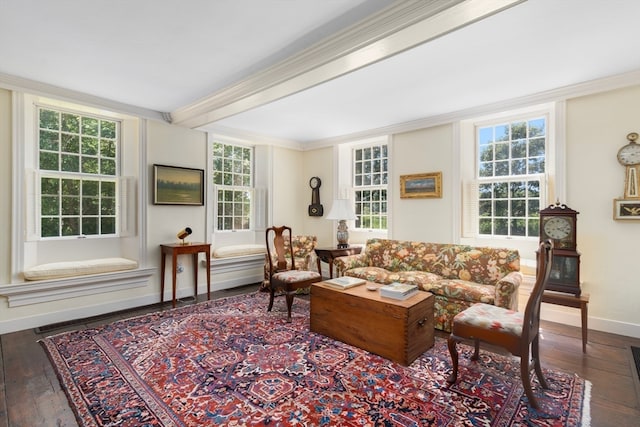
(558, 223)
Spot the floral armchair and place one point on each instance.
(303, 253)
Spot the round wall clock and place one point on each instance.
(629, 157)
(630, 153)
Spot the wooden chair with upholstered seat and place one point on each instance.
(303, 253)
(283, 275)
(516, 332)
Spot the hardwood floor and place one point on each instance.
(31, 395)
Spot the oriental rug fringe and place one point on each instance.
(230, 362)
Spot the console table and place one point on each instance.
(176, 249)
(329, 254)
(570, 300)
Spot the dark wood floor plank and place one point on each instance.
(32, 396)
(4, 421)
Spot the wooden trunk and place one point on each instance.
(398, 330)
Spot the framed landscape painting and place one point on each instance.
(421, 185)
(174, 185)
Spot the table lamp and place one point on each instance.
(342, 210)
(183, 234)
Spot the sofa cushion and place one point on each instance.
(372, 274)
(56, 270)
(463, 290)
(396, 255)
(422, 279)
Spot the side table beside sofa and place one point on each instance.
(329, 254)
(457, 275)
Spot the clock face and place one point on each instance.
(557, 227)
(629, 154)
(314, 182)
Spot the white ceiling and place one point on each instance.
(167, 56)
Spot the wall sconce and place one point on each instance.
(183, 234)
(342, 211)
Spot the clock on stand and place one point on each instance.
(558, 223)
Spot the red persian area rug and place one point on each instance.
(230, 362)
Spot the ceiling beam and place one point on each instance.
(402, 26)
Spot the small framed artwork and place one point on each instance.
(626, 209)
(174, 185)
(421, 185)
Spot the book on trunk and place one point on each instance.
(398, 290)
(344, 282)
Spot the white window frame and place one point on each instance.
(216, 187)
(29, 248)
(552, 181)
(77, 176)
(371, 187)
(343, 184)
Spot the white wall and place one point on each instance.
(289, 195)
(423, 151)
(319, 163)
(175, 146)
(597, 126)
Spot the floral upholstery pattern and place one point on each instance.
(491, 317)
(458, 275)
(294, 276)
(303, 254)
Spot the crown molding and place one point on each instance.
(250, 138)
(20, 84)
(564, 93)
(401, 26)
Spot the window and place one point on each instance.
(233, 180)
(511, 163)
(370, 179)
(78, 173)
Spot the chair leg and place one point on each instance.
(289, 297)
(476, 351)
(525, 370)
(453, 351)
(535, 348)
(271, 296)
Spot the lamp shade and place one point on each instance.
(342, 209)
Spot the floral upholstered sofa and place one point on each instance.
(457, 275)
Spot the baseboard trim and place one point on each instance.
(569, 316)
(42, 319)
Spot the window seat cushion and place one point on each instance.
(56, 270)
(238, 250)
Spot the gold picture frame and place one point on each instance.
(626, 209)
(173, 185)
(421, 186)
